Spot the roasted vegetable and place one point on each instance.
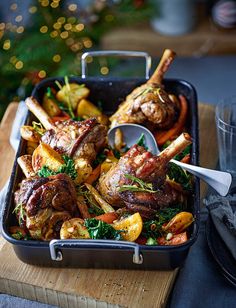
(180, 176)
(107, 217)
(104, 205)
(29, 133)
(25, 162)
(179, 223)
(31, 146)
(131, 227)
(86, 109)
(50, 105)
(153, 228)
(44, 155)
(67, 167)
(72, 93)
(176, 239)
(83, 169)
(100, 230)
(74, 228)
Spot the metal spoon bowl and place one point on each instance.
(219, 180)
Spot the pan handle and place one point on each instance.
(56, 254)
(123, 53)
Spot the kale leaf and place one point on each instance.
(179, 175)
(68, 167)
(100, 230)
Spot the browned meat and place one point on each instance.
(58, 193)
(46, 202)
(147, 167)
(149, 104)
(46, 224)
(75, 139)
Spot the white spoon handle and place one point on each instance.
(219, 180)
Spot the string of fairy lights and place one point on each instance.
(65, 28)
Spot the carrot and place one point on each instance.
(94, 175)
(62, 117)
(177, 239)
(186, 159)
(178, 126)
(107, 217)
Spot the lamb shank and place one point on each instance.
(78, 140)
(149, 104)
(139, 163)
(45, 204)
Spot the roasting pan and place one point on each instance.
(106, 253)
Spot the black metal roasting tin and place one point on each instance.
(92, 253)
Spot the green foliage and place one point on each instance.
(137, 185)
(180, 176)
(100, 230)
(36, 50)
(68, 167)
(153, 228)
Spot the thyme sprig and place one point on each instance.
(19, 210)
(137, 185)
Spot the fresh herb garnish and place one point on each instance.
(179, 175)
(68, 167)
(93, 207)
(69, 108)
(19, 210)
(141, 142)
(38, 127)
(137, 185)
(185, 152)
(100, 230)
(153, 228)
(151, 241)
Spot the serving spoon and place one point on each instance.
(219, 180)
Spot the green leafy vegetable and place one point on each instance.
(153, 228)
(99, 159)
(185, 152)
(151, 241)
(93, 207)
(137, 185)
(68, 167)
(180, 176)
(100, 230)
(141, 142)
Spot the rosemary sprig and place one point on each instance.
(141, 187)
(142, 92)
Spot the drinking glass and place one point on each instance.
(226, 133)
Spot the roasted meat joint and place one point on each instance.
(77, 186)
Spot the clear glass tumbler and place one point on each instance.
(226, 132)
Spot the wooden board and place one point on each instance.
(89, 287)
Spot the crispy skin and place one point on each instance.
(58, 193)
(148, 104)
(144, 166)
(77, 139)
